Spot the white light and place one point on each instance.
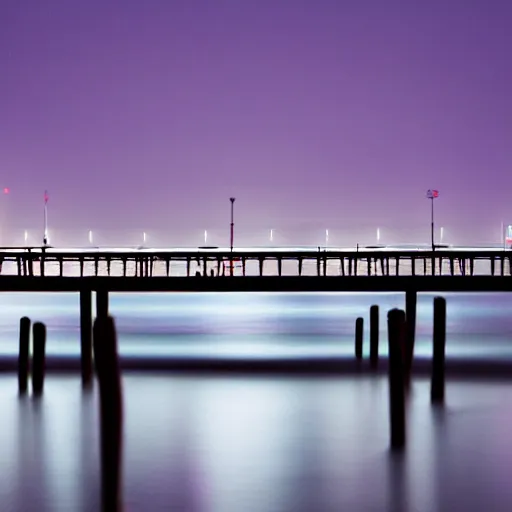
(205, 236)
(271, 235)
(144, 237)
(378, 234)
(26, 236)
(441, 235)
(90, 237)
(326, 235)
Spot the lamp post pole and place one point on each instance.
(45, 234)
(232, 231)
(432, 194)
(232, 234)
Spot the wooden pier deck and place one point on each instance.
(265, 263)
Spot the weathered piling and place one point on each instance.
(396, 334)
(411, 298)
(359, 339)
(39, 357)
(374, 336)
(101, 303)
(111, 412)
(24, 354)
(86, 336)
(438, 352)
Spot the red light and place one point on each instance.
(6, 190)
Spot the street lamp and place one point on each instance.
(232, 230)
(45, 234)
(432, 194)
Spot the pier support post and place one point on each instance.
(374, 336)
(111, 413)
(38, 360)
(411, 299)
(438, 352)
(24, 354)
(101, 303)
(396, 334)
(86, 336)
(359, 339)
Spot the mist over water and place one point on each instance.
(260, 325)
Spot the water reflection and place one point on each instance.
(221, 444)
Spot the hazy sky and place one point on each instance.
(150, 114)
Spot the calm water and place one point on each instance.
(259, 325)
(217, 444)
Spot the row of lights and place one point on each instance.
(271, 236)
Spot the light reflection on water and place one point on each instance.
(256, 325)
(259, 444)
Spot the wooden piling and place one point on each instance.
(359, 339)
(111, 412)
(101, 303)
(411, 299)
(39, 356)
(438, 352)
(86, 336)
(374, 336)
(24, 354)
(396, 332)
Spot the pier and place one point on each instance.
(157, 264)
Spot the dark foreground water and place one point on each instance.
(260, 325)
(219, 444)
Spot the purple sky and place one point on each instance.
(148, 114)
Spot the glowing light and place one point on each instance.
(326, 236)
(26, 236)
(441, 234)
(144, 237)
(205, 236)
(90, 237)
(7, 190)
(271, 235)
(378, 234)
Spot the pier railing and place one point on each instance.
(263, 263)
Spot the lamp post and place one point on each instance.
(432, 194)
(45, 234)
(232, 234)
(232, 230)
